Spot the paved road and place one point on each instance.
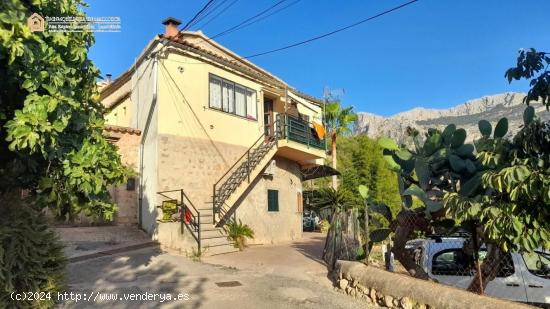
(152, 271)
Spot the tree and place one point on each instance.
(361, 162)
(530, 63)
(51, 122)
(338, 120)
(52, 149)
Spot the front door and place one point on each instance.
(269, 127)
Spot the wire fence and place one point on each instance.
(462, 258)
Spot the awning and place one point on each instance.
(318, 172)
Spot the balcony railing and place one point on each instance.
(298, 130)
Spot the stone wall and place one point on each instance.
(391, 290)
(196, 164)
(271, 227)
(127, 141)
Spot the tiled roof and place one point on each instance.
(119, 129)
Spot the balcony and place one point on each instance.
(297, 139)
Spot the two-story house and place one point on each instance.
(221, 137)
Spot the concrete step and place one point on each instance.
(228, 248)
(214, 242)
(212, 233)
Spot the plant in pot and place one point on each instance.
(239, 232)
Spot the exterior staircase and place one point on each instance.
(231, 186)
(207, 224)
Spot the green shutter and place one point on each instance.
(272, 200)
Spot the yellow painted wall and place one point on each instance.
(121, 114)
(183, 102)
(189, 115)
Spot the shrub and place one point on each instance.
(31, 255)
(238, 232)
(324, 225)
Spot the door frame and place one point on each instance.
(269, 124)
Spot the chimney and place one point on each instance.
(171, 29)
(109, 78)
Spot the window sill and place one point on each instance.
(230, 114)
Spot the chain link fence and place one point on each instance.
(460, 257)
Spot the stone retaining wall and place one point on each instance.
(391, 290)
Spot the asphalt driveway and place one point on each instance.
(286, 276)
(301, 259)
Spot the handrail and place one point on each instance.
(240, 160)
(195, 220)
(299, 134)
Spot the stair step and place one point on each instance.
(229, 248)
(212, 233)
(214, 242)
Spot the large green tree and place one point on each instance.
(362, 163)
(52, 149)
(51, 123)
(338, 120)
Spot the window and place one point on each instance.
(272, 200)
(232, 98)
(538, 263)
(300, 201)
(215, 93)
(228, 97)
(240, 101)
(454, 262)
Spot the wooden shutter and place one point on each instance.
(272, 200)
(300, 202)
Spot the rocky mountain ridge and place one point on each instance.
(465, 115)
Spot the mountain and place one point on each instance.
(465, 115)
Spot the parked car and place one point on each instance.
(310, 220)
(524, 277)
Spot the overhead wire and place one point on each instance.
(201, 18)
(331, 32)
(260, 18)
(219, 13)
(249, 19)
(204, 8)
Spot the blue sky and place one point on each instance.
(433, 53)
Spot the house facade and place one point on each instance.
(219, 138)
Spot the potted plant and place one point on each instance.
(239, 232)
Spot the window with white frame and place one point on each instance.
(232, 98)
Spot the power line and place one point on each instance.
(248, 19)
(260, 18)
(198, 14)
(219, 13)
(198, 20)
(332, 32)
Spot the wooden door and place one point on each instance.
(269, 127)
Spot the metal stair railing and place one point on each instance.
(298, 130)
(240, 171)
(189, 215)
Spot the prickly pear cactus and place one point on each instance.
(436, 166)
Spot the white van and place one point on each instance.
(522, 277)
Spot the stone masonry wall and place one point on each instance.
(127, 142)
(196, 164)
(271, 227)
(391, 290)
